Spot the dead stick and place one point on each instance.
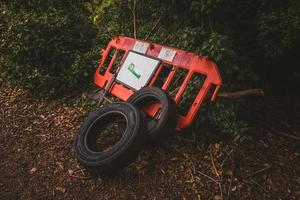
(217, 173)
(190, 159)
(207, 176)
(80, 177)
(242, 93)
(227, 156)
(261, 187)
(260, 171)
(134, 18)
(220, 187)
(213, 163)
(229, 188)
(133, 11)
(154, 27)
(283, 133)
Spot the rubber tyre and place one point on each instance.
(120, 154)
(164, 127)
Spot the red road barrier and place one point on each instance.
(175, 59)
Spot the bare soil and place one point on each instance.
(37, 161)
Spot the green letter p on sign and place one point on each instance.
(131, 69)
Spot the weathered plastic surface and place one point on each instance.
(176, 58)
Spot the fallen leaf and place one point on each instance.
(61, 189)
(233, 189)
(70, 171)
(33, 170)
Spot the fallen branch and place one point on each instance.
(284, 134)
(133, 11)
(242, 93)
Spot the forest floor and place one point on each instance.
(37, 161)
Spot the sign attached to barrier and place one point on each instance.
(141, 47)
(167, 54)
(137, 70)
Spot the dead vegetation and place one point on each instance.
(37, 161)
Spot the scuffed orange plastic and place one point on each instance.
(182, 60)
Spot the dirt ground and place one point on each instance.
(37, 161)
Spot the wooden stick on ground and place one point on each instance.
(266, 168)
(284, 134)
(242, 93)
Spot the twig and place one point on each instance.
(243, 93)
(154, 27)
(220, 187)
(163, 171)
(283, 133)
(174, 91)
(60, 165)
(81, 177)
(260, 171)
(214, 180)
(134, 18)
(80, 170)
(175, 82)
(219, 183)
(226, 158)
(191, 161)
(133, 11)
(45, 135)
(217, 173)
(231, 151)
(229, 188)
(157, 31)
(213, 163)
(261, 187)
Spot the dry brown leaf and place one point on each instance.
(70, 171)
(33, 170)
(218, 197)
(61, 189)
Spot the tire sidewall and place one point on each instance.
(96, 159)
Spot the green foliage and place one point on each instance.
(279, 31)
(50, 50)
(51, 46)
(222, 117)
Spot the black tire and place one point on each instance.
(158, 131)
(122, 153)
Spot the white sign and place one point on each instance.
(137, 70)
(141, 47)
(167, 54)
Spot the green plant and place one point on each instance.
(50, 50)
(51, 46)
